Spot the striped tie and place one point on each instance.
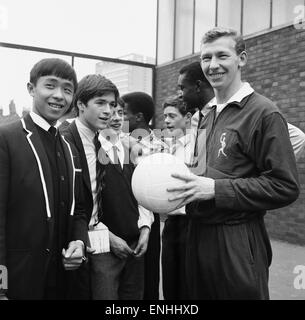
(99, 177)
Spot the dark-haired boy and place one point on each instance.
(139, 110)
(40, 209)
(177, 119)
(121, 272)
(115, 272)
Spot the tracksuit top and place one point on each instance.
(250, 157)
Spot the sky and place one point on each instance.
(110, 28)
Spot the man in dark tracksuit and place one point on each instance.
(250, 168)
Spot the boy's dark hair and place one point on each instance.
(140, 102)
(91, 86)
(121, 102)
(176, 102)
(219, 32)
(53, 67)
(193, 72)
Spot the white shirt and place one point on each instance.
(185, 147)
(108, 147)
(87, 136)
(184, 151)
(297, 138)
(150, 144)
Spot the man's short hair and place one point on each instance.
(176, 102)
(219, 32)
(91, 86)
(193, 72)
(53, 67)
(140, 102)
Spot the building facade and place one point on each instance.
(128, 78)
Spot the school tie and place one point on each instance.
(115, 155)
(52, 130)
(116, 159)
(99, 174)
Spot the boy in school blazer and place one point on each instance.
(42, 222)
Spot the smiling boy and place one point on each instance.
(40, 209)
(94, 100)
(119, 274)
(109, 201)
(177, 119)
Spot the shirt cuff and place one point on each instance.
(146, 218)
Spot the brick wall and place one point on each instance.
(276, 69)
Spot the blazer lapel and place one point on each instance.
(71, 173)
(45, 173)
(82, 155)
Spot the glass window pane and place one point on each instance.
(184, 28)
(229, 14)
(283, 11)
(127, 78)
(107, 28)
(256, 16)
(166, 31)
(15, 66)
(204, 19)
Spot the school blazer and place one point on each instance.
(27, 207)
(72, 136)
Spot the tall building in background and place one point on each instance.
(13, 115)
(12, 107)
(126, 77)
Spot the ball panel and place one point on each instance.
(152, 177)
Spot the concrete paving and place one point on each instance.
(282, 277)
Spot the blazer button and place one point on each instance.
(47, 250)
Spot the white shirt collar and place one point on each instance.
(88, 133)
(107, 145)
(40, 121)
(238, 96)
(185, 140)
